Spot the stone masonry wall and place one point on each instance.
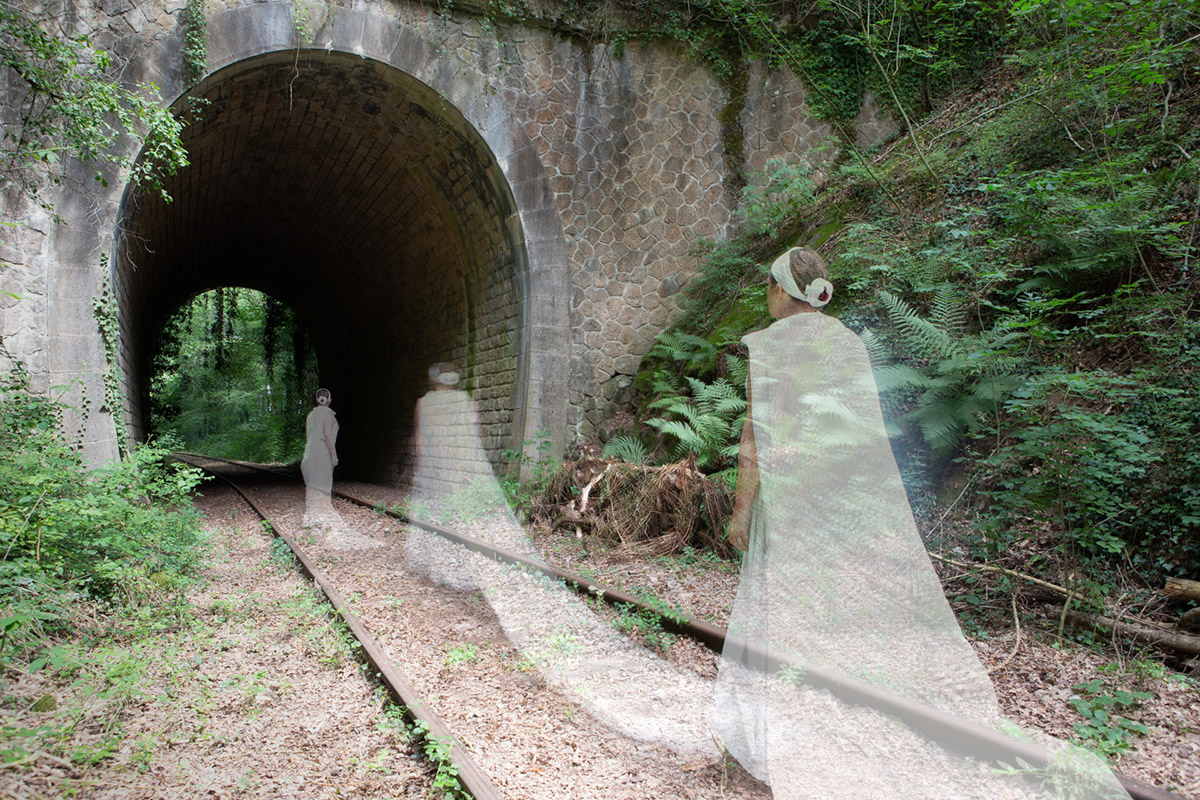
(615, 161)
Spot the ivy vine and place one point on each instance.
(104, 308)
(195, 41)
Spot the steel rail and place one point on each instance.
(473, 779)
(951, 732)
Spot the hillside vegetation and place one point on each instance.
(1021, 263)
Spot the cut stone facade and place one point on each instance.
(419, 187)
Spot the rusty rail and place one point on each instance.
(950, 731)
(473, 779)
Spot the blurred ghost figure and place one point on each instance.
(836, 580)
(320, 457)
(618, 681)
(452, 480)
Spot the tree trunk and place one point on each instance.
(1182, 588)
(1163, 639)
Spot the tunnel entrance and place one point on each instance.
(360, 198)
(234, 377)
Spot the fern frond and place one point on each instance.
(716, 392)
(949, 310)
(688, 438)
(917, 333)
(877, 349)
(728, 476)
(729, 407)
(627, 448)
(940, 427)
(738, 370)
(893, 377)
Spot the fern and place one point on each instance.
(956, 380)
(918, 334)
(627, 448)
(706, 424)
(877, 349)
(949, 310)
(738, 370)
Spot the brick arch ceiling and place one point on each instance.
(359, 197)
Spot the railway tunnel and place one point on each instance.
(358, 196)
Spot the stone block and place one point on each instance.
(344, 30)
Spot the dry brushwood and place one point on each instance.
(662, 508)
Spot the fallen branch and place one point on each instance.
(1016, 644)
(1002, 571)
(1157, 637)
(587, 490)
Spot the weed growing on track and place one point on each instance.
(281, 556)
(394, 719)
(325, 634)
(697, 559)
(80, 719)
(549, 651)
(461, 654)
(437, 750)
(643, 625)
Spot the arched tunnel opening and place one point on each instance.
(234, 374)
(361, 199)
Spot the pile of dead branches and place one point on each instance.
(661, 509)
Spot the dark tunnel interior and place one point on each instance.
(356, 195)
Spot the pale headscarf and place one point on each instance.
(817, 290)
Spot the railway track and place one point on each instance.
(473, 779)
(945, 729)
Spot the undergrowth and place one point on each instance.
(92, 578)
(1025, 280)
(121, 537)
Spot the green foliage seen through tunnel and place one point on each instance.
(233, 375)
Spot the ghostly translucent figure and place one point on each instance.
(619, 682)
(320, 457)
(836, 578)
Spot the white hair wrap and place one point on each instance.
(781, 271)
(448, 378)
(813, 292)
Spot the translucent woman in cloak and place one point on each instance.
(320, 457)
(836, 579)
(619, 682)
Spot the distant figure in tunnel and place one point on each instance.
(837, 584)
(320, 457)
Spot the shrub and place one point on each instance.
(123, 534)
